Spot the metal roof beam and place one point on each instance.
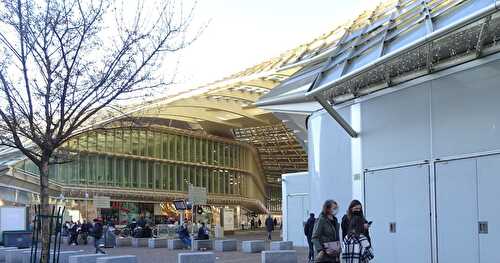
(335, 115)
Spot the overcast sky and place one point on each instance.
(242, 33)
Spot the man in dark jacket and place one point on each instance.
(269, 226)
(97, 231)
(308, 231)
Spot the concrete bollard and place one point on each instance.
(196, 257)
(15, 255)
(253, 246)
(226, 245)
(124, 242)
(281, 245)
(175, 244)
(118, 259)
(88, 258)
(157, 243)
(2, 252)
(140, 242)
(279, 256)
(203, 245)
(64, 255)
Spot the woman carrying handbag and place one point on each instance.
(357, 248)
(325, 235)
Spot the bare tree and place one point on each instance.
(62, 61)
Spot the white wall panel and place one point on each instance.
(396, 127)
(329, 161)
(466, 111)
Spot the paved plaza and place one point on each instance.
(163, 255)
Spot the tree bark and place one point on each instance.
(45, 209)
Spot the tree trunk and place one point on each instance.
(45, 209)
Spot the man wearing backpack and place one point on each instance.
(97, 231)
(308, 231)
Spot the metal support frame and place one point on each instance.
(335, 115)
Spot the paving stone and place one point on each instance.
(226, 245)
(140, 242)
(203, 245)
(281, 245)
(118, 259)
(196, 257)
(157, 243)
(279, 256)
(253, 246)
(175, 244)
(124, 242)
(87, 258)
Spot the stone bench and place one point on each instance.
(196, 257)
(63, 256)
(279, 256)
(203, 245)
(253, 246)
(2, 253)
(175, 244)
(15, 255)
(281, 245)
(124, 242)
(157, 242)
(88, 258)
(140, 242)
(118, 259)
(226, 245)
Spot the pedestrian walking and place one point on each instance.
(308, 231)
(97, 231)
(73, 234)
(269, 226)
(355, 209)
(357, 248)
(325, 237)
(260, 223)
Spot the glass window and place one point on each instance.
(164, 176)
(127, 167)
(180, 179)
(110, 170)
(135, 174)
(118, 172)
(185, 148)
(143, 174)
(143, 143)
(166, 146)
(101, 140)
(151, 171)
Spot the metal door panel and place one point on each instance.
(456, 211)
(488, 170)
(296, 214)
(379, 205)
(412, 209)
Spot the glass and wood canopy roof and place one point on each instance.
(398, 41)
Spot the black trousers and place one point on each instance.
(73, 239)
(97, 247)
(311, 249)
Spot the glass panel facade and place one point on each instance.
(137, 158)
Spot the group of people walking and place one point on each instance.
(84, 230)
(323, 235)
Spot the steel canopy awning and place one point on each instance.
(397, 42)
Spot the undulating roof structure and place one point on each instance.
(396, 42)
